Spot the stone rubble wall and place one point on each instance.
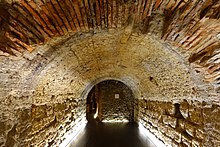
(60, 72)
(115, 109)
(41, 125)
(183, 123)
(51, 121)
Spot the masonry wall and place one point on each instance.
(183, 123)
(41, 124)
(113, 108)
(43, 92)
(32, 115)
(29, 85)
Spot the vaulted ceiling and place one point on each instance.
(191, 25)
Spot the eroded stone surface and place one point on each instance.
(188, 131)
(48, 86)
(116, 101)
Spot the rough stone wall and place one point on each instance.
(28, 116)
(41, 124)
(115, 109)
(51, 121)
(62, 71)
(182, 123)
(57, 74)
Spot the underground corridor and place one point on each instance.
(110, 116)
(97, 73)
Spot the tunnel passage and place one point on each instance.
(110, 100)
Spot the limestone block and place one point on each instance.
(171, 133)
(181, 123)
(186, 139)
(167, 140)
(196, 143)
(190, 128)
(175, 144)
(49, 120)
(217, 126)
(42, 144)
(59, 107)
(150, 113)
(165, 119)
(142, 103)
(163, 136)
(148, 126)
(24, 129)
(39, 112)
(37, 125)
(160, 135)
(200, 134)
(210, 114)
(117, 108)
(184, 109)
(155, 115)
(163, 128)
(147, 111)
(152, 121)
(50, 111)
(170, 109)
(142, 110)
(154, 130)
(216, 135)
(195, 115)
(172, 121)
(177, 136)
(207, 114)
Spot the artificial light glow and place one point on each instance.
(72, 134)
(152, 137)
(96, 114)
(116, 121)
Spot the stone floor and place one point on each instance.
(111, 135)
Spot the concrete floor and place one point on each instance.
(111, 135)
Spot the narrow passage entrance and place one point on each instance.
(110, 101)
(110, 115)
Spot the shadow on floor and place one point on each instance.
(98, 134)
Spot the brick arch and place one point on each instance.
(189, 26)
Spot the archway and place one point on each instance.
(110, 101)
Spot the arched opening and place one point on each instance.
(92, 104)
(110, 101)
(110, 111)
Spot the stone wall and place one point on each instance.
(41, 125)
(51, 121)
(182, 123)
(35, 116)
(59, 73)
(113, 108)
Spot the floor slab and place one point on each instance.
(98, 134)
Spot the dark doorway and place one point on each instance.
(110, 100)
(92, 104)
